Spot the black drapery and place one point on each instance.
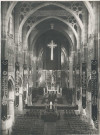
(17, 101)
(84, 84)
(78, 95)
(94, 87)
(24, 95)
(4, 111)
(54, 64)
(4, 78)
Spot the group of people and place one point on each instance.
(49, 116)
(33, 113)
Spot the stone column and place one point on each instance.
(30, 99)
(20, 107)
(11, 105)
(89, 108)
(3, 31)
(71, 75)
(20, 103)
(84, 47)
(11, 109)
(61, 91)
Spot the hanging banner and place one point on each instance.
(94, 87)
(4, 88)
(4, 112)
(17, 83)
(17, 100)
(78, 76)
(52, 54)
(84, 85)
(25, 69)
(30, 76)
(24, 95)
(4, 78)
(78, 95)
(16, 77)
(25, 75)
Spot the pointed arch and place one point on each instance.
(58, 18)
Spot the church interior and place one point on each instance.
(50, 67)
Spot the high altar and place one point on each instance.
(53, 84)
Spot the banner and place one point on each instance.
(78, 94)
(25, 75)
(84, 85)
(17, 100)
(4, 78)
(4, 88)
(94, 87)
(4, 111)
(52, 64)
(24, 95)
(16, 77)
(17, 84)
(30, 76)
(52, 54)
(77, 78)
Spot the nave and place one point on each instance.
(50, 67)
(31, 123)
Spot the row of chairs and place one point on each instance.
(26, 125)
(73, 125)
(69, 113)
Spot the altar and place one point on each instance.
(53, 90)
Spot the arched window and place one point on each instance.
(10, 26)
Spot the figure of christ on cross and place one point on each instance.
(52, 46)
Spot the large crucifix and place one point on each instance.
(52, 45)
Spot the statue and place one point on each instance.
(52, 80)
(51, 105)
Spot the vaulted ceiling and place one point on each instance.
(36, 18)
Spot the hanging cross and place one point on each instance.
(52, 46)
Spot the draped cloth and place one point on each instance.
(4, 88)
(84, 84)
(17, 100)
(94, 87)
(54, 64)
(4, 111)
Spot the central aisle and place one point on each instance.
(49, 128)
